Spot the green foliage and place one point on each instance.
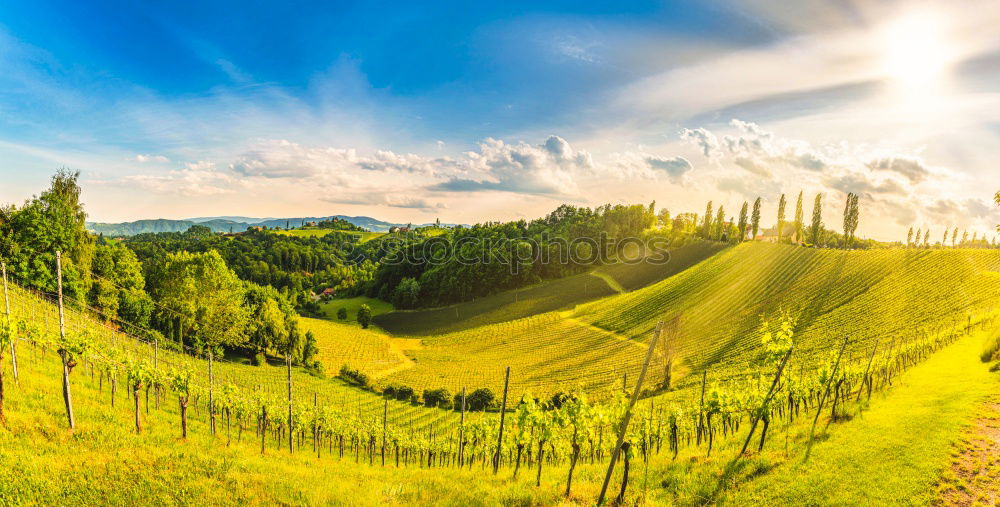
(342, 313)
(365, 316)
(352, 375)
(816, 229)
(506, 255)
(437, 398)
(55, 220)
(480, 399)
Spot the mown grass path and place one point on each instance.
(896, 452)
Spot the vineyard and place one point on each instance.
(553, 295)
(736, 381)
(883, 296)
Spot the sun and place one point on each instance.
(916, 50)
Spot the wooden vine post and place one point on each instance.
(288, 363)
(385, 427)
(767, 399)
(868, 369)
(503, 412)
(826, 392)
(6, 302)
(628, 415)
(461, 433)
(67, 396)
(211, 389)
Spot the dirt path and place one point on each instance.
(399, 346)
(610, 281)
(974, 476)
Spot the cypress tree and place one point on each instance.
(743, 221)
(755, 219)
(781, 215)
(817, 220)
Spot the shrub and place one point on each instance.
(436, 397)
(364, 316)
(354, 376)
(342, 313)
(480, 399)
(389, 391)
(404, 393)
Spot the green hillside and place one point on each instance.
(548, 296)
(881, 295)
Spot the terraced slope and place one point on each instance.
(882, 295)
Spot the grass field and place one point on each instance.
(329, 308)
(871, 459)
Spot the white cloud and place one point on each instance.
(549, 168)
(142, 159)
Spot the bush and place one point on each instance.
(354, 376)
(316, 369)
(436, 397)
(389, 391)
(480, 399)
(404, 393)
(342, 313)
(364, 316)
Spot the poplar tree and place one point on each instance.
(744, 211)
(954, 237)
(720, 224)
(799, 217)
(927, 237)
(755, 219)
(781, 215)
(706, 225)
(909, 237)
(817, 220)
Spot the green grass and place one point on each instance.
(894, 453)
(329, 308)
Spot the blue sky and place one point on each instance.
(500, 110)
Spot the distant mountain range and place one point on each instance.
(228, 224)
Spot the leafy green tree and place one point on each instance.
(204, 295)
(342, 313)
(309, 349)
(706, 225)
(816, 229)
(365, 316)
(909, 237)
(407, 294)
(755, 219)
(55, 220)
